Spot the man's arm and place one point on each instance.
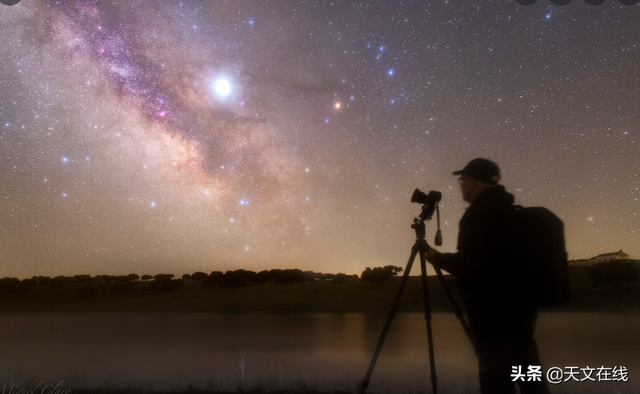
(477, 230)
(454, 263)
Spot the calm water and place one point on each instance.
(282, 351)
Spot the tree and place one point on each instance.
(262, 277)
(121, 279)
(81, 279)
(296, 275)
(198, 275)
(339, 279)
(237, 278)
(281, 277)
(367, 276)
(33, 282)
(213, 279)
(12, 286)
(392, 269)
(379, 275)
(612, 273)
(286, 277)
(309, 276)
(57, 282)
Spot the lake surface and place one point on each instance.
(324, 351)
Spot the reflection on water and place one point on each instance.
(328, 351)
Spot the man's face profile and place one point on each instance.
(468, 188)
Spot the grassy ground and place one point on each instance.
(316, 296)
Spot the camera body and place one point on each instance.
(429, 202)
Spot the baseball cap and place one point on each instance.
(483, 170)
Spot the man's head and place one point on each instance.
(476, 177)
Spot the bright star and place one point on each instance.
(222, 87)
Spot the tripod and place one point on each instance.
(419, 248)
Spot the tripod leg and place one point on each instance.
(392, 313)
(427, 317)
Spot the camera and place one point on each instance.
(429, 202)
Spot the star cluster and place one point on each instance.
(197, 136)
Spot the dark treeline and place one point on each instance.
(279, 277)
(614, 274)
(167, 282)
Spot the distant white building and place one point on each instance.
(619, 255)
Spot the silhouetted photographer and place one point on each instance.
(495, 285)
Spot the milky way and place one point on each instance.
(197, 136)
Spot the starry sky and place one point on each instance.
(182, 136)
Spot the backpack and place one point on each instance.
(539, 242)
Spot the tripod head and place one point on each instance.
(419, 227)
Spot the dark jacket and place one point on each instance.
(490, 280)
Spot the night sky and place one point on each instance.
(175, 137)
